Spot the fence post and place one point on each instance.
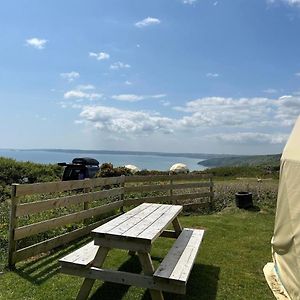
(122, 196)
(86, 204)
(12, 245)
(211, 190)
(171, 189)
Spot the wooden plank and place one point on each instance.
(140, 178)
(154, 230)
(168, 199)
(138, 201)
(168, 264)
(12, 246)
(46, 225)
(185, 263)
(177, 226)
(121, 277)
(178, 263)
(191, 176)
(134, 229)
(120, 220)
(89, 282)
(194, 206)
(148, 269)
(149, 178)
(60, 240)
(61, 186)
(147, 188)
(83, 256)
(125, 244)
(211, 198)
(39, 206)
(164, 187)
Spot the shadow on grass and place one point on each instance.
(202, 284)
(109, 290)
(254, 208)
(39, 270)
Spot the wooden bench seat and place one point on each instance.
(177, 265)
(171, 276)
(81, 258)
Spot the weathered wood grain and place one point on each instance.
(62, 186)
(39, 206)
(43, 226)
(178, 263)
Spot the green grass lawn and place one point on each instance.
(229, 265)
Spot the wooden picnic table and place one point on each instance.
(136, 231)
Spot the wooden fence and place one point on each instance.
(90, 203)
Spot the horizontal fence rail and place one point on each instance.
(90, 203)
(39, 206)
(62, 186)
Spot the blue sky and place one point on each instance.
(173, 75)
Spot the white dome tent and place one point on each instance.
(179, 168)
(283, 275)
(133, 169)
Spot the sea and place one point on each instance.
(149, 162)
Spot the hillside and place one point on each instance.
(253, 160)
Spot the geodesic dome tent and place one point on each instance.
(284, 272)
(133, 169)
(179, 168)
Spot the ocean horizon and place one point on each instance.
(142, 161)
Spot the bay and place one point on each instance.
(149, 162)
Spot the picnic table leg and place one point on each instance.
(148, 269)
(88, 282)
(177, 226)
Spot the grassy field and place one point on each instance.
(229, 264)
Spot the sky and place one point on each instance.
(201, 76)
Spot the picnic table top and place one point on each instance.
(144, 223)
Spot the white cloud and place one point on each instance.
(190, 2)
(157, 96)
(71, 76)
(135, 98)
(36, 43)
(80, 94)
(165, 102)
(100, 55)
(288, 109)
(86, 87)
(270, 91)
(243, 112)
(297, 74)
(289, 2)
(250, 121)
(251, 138)
(127, 82)
(125, 121)
(147, 22)
(119, 65)
(128, 97)
(212, 75)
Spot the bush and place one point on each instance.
(108, 170)
(12, 171)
